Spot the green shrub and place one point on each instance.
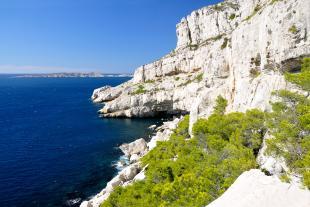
(140, 90)
(256, 10)
(293, 29)
(183, 126)
(254, 72)
(224, 45)
(150, 81)
(302, 79)
(285, 178)
(232, 16)
(247, 129)
(289, 124)
(221, 104)
(194, 172)
(218, 7)
(199, 77)
(216, 38)
(193, 46)
(274, 1)
(187, 82)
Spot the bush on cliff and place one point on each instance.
(194, 172)
(290, 125)
(140, 90)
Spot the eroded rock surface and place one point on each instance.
(237, 49)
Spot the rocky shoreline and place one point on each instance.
(249, 185)
(134, 171)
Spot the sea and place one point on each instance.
(55, 150)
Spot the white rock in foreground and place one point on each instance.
(255, 189)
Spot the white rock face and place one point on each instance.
(105, 93)
(237, 49)
(255, 189)
(274, 166)
(163, 132)
(134, 158)
(138, 147)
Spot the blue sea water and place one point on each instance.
(53, 145)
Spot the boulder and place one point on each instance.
(134, 158)
(129, 172)
(98, 92)
(141, 175)
(152, 127)
(138, 147)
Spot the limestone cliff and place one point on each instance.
(237, 49)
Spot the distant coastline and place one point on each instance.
(72, 75)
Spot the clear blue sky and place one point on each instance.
(111, 36)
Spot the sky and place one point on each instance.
(109, 36)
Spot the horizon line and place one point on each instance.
(31, 69)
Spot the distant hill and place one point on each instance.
(72, 75)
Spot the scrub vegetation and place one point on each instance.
(185, 171)
(290, 125)
(140, 90)
(194, 172)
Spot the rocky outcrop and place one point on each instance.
(275, 166)
(255, 189)
(134, 171)
(123, 178)
(237, 49)
(138, 147)
(163, 132)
